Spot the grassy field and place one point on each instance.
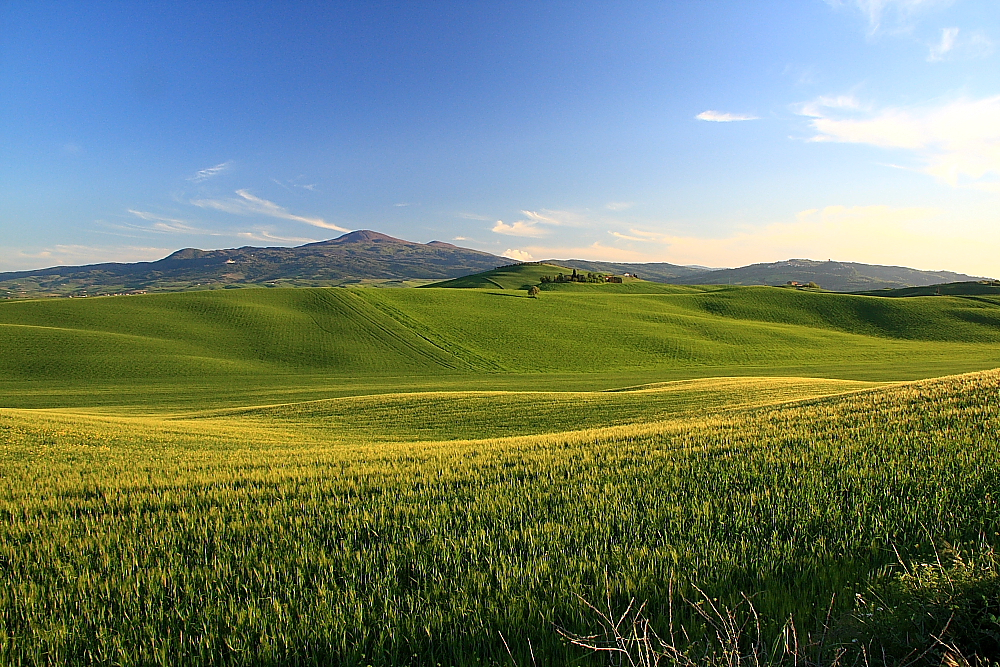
(380, 477)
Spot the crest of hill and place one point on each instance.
(512, 276)
(359, 255)
(830, 275)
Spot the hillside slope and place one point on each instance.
(356, 334)
(513, 276)
(982, 288)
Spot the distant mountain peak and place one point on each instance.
(187, 253)
(366, 236)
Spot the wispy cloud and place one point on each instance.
(248, 204)
(292, 183)
(957, 142)
(626, 237)
(955, 45)
(947, 43)
(721, 117)
(619, 205)
(207, 173)
(267, 237)
(898, 15)
(520, 255)
(167, 225)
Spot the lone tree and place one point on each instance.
(533, 291)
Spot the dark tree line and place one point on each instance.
(575, 278)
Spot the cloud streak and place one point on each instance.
(167, 225)
(721, 117)
(207, 173)
(164, 225)
(248, 204)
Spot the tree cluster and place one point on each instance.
(575, 278)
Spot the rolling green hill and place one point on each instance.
(968, 288)
(512, 277)
(214, 344)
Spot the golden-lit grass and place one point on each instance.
(153, 540)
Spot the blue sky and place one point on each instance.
(715, 133)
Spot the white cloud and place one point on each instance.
(519, 255)
(619, 205)
(957, 142)
(248, 204)
(518, 228)
(947, 43)
(460, 238)
(530, 225)
(721, 117)
(209, 172)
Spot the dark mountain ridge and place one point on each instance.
(831, 275)
(356, 256)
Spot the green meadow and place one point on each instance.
(441, 476)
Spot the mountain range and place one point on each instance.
(366, 256)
